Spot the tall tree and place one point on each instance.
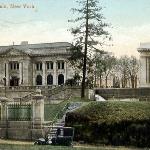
(89, 31)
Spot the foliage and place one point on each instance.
(114, 112)
(116, 123)
(76, 58)
(73, 81)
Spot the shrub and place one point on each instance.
(116, 123)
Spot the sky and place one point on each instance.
(43, 21)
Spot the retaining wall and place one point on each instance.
(20, 130)
(140, 93)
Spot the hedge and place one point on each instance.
(115, 123)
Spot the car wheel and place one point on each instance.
(36, 143)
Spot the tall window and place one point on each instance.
(14, 65)
(60, 65)
(60, 79)
(39, 80)
(49, 65)
(39, 66)
(49, 79)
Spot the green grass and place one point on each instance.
(111, 112)
(48, 147)
(78, 99)
(51, 110)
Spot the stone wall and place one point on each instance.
(140, 93)
(21, 134)
(52, 93)
(67, 93)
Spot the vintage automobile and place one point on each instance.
(64, 136)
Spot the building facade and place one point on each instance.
(35, 64)
(144, 72)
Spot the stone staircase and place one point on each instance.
(61, 122)
(53, 93)
(57, 93)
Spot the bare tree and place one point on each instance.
(105, 64)
(133, 69)
(128, 68)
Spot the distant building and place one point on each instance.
(35, 64)
(144, 51)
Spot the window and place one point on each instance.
(60, 79)
(39, 66)
(39, 80)
(60, 65)
(49, 79)
(17, 65)
(14, 65)
(11, 66)
(49, 65)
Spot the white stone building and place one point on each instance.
(35, 64)
(144, 73)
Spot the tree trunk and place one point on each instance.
(136, 81)
(132, 81)
(100, 80)
(95, 80)
(85, 54)
(106, 81)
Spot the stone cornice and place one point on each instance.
(52, 54)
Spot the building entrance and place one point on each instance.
(60, 79)
(14, 81)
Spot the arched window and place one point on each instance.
(39, 80)
(60, 79)
(49, 79)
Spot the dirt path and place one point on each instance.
(15, 142)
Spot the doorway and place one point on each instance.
(39, 80)
(49, 79)
(14, 81)
(60, 79)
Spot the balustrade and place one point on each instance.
(26, 88)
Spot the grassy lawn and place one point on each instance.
(51, 110)
(49, 147)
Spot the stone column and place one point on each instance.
(44, 74)
(20, 74)
(55, 73)
(38, 109)
(33, 74)
(65, 67)
(7, 74)
(3, 111)
(143, 71)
